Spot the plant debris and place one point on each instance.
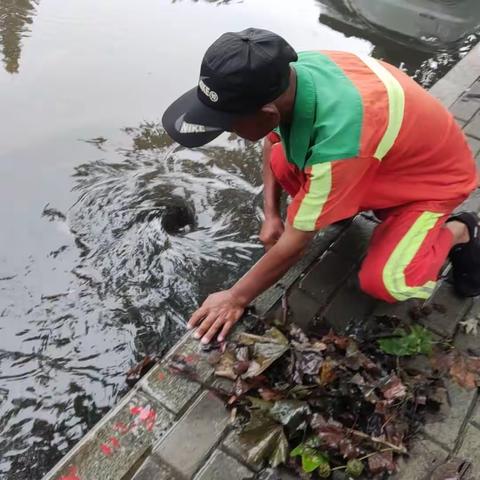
(139, 370)
(471, 325)
(321, 404)
(418, 340)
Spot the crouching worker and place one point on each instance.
(354, 134)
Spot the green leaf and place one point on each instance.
(298, 450)
(312, 458)
(419, 340)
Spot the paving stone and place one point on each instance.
(349, 305)
(476, 414)
(151, 470)
(465, 108)
(469, 450)
(326, 276)
(354, 241)
(445, 324)
(472, 202)
(190, 441)
(279, 474)
(190, 350)
(171, 390)
(446, 430)
(469, 343)
(474, 89)
(400, 309)
(221, 466)
(473, 127)
(302, 307)
(458, 79)
(474, 144)
(424, 456)
(119, 443)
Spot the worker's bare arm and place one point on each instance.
(221, 310)
(272, 227)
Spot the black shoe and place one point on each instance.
(465, 257)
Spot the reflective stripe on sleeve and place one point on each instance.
(396, 106)
(313, 202)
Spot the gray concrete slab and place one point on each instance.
(423, 458)
(458, 79)
(221, 466)
(470, 449)
(194, 436)
(446, 430)
(151, 469)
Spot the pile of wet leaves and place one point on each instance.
(336, 406)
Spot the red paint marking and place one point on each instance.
(105, 449)
(121, 427)
(161, 376)
(192, 358)
(71, 475)
(150, 420)
(135, 410)
(114, 442)
(146, 415)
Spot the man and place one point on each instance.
(356, 134)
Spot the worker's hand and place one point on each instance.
(219, 312)
(271, 231)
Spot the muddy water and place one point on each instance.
(93, 273)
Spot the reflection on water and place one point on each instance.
(137, 271)
(92, 281)
(425, 62)
(16, 16)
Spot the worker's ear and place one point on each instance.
(270, 115)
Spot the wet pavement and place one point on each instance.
(93, 275)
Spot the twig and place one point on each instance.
(284, 308)
(396, 448)
(343, 467)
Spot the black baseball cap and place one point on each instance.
(240, 73)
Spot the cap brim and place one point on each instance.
(191, 123)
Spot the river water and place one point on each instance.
(92, 274)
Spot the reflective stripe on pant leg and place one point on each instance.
(394, 270)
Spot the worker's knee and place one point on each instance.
(390, 284)
(371, 282)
